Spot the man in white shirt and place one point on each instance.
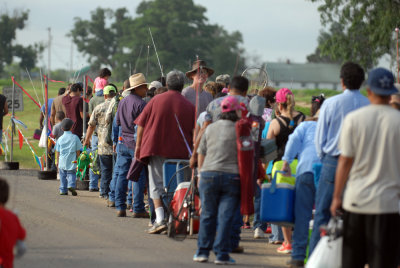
(369, 164)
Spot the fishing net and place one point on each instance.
(258, 79)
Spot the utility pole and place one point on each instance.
(49, 51)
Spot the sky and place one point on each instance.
(272, 29)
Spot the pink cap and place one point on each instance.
(230, 104)
(280, 96)
(100, 83)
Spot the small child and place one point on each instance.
(11, 232)
(102, 80)
(57, 131)
(68, 148)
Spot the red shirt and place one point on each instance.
(73, 107)
(161, 134)
(10, 231)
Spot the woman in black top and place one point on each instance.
(280, 129)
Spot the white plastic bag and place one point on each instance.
(327, 254)
(43, 139)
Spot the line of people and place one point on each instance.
(136, 126)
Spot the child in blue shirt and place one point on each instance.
(68, 148)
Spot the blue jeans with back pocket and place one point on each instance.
(323, 198)
(219, 195)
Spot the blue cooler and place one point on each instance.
(277, 202)
(174, 169)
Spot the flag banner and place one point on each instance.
(12, 78)
(21, 139)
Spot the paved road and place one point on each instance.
(66, 231)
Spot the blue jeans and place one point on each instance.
(67, 179)
(106, 167)
(276, 233)
(129, 198)
(124, 160)
(219, 195)
(237, 224)
(94, 178)
(323, 198)
(303, 206)
(257, 223)
(111, 194)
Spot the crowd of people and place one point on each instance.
(348, 144)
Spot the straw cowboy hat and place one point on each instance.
(199, 65)
(136, 80)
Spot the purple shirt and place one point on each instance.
(128, 110)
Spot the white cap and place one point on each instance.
(155, 84)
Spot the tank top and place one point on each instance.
(285, 131)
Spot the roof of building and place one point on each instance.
(303, 72)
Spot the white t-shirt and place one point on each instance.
(371, 135)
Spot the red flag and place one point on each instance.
(21, 139)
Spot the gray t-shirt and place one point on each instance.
(204, 98)
(218, 145)
(370, 135)
(57, 131)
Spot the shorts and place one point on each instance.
(156, 187)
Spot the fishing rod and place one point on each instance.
(397, 51)
(137, 60)
(158, 59)
(147, 66)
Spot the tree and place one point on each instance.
(180, 30)
(359, 30)
(8, 27)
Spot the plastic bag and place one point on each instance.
(327, 254)
(43, 139)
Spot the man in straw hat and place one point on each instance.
(160, 136)
(199, 74)
(128, 110)
(105, 150)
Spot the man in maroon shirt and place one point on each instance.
(159, 137)
(73, 104)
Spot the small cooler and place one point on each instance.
(277, 202)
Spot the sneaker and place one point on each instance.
(238, 249)
(274, 242)
(268, 230)
(150, 224)
(230, 261)
(285, 248)
(140, 215)
(93, 190)
(295, 263)
(73, 192)
(131, 210)
(157, 228)
(121, 213)
(258, 233)
(64, 193)
(110, 204)
(200, 258)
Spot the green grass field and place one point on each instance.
(30, 115)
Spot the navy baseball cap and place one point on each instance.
(381, 82)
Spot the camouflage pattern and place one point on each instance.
(98, 118)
